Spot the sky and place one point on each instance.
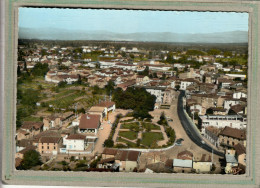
(132, 21)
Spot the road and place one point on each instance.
(191, 131)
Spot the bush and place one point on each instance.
(31, 159)
(72, 158)
(108, 143)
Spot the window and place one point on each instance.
(42, 147)
(48, 147)
(54, 147)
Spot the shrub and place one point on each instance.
(108, 143)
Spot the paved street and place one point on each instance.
(191, 131)
(187, 144)
(104, 134)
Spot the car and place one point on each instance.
(170, 119)
(101, 128)
(203, 142)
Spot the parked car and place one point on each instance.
(179, 141)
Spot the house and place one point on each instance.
(99, 110)
(169, 96)
(51, 122)
(141, 79)
(190, 74)
(229, 137)
(218, 111)
(106, 163)
(224, 82)
(20, 154)
(231, 102)
(29, 129)
(219, 121)
(182, 165)
(126, 84)
(240, 153)
(110, 107)
(239, 94)
(75, 142)
(231, 162)
(109, 153)
(211, 134)
(128, 160)
(89, 123)
(203, 165)
(24, 143)
(49, 145)
(185, 83)
(238, 109)
(158, 92)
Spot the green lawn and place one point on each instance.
(151, 125)
(130, 135)
(129, 125)
(150, 137)
(130, 144)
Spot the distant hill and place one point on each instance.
(58, 34)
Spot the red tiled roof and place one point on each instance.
(49, 139)
(31, 124)
(235, 133)
(17, 162)
(106, 104)
(76, 137)
(110, 151)
(240, 149)
(27, 149)
(127, 155)
(89, 121)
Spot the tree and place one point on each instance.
(145, 72)
(109, 87)
(138, 142)
(62, 84)
(72, 158)
(40, 69)
(227, 54)
(109, 143)
(209, 111)
(79, 79)
(177, 87)
(31, 158)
